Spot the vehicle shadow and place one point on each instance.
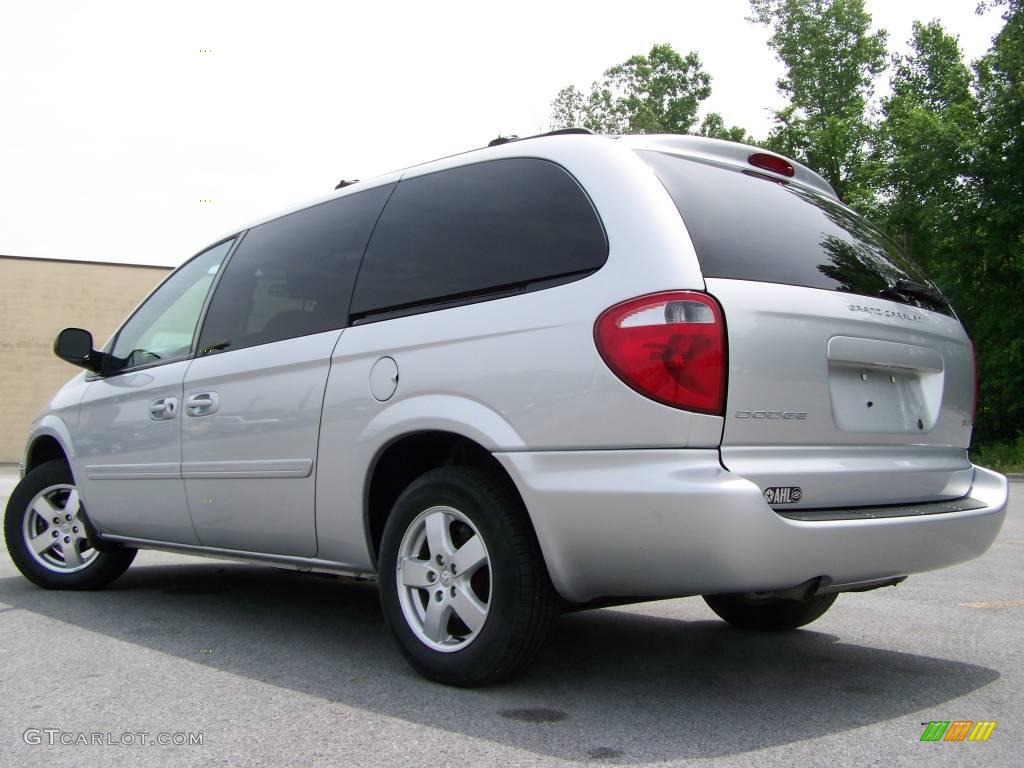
(609, 684)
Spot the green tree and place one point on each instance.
(992, 309)
(597, 110)
(714, 126)
(657, 93)
(831, 59)
(925, 148)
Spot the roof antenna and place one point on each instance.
(346, 183)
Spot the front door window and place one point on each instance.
(162, 329)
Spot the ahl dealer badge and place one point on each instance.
(786, 494)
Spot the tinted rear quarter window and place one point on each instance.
(747, 227)
(478, 229)
(292, 276)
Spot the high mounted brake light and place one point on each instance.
(772, 163)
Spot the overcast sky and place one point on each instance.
(119, 120)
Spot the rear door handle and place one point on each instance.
(202, 403)
(163, 409)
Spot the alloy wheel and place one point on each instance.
(444, 579)
(54, 532)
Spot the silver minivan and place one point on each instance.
(559, 372)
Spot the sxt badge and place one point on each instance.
(786, 494)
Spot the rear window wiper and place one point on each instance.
(904, 288)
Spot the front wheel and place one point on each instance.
(462, 582)
(770, 614)
(45, 529)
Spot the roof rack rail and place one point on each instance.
(559, 132)
(564, 131)
(502, 140)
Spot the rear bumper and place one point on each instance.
(665, 523)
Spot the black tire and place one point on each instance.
(521, 603)
(769, 614)
(99, 568)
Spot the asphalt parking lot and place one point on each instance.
(280, 669)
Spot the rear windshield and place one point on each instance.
(747, 227)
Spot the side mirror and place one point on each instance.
(74, 345)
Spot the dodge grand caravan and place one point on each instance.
(553, 373)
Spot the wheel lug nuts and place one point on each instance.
(75, 529)
(440, 560)
(67, 539)
(68, 518)
(56, 534)
(56, 521)
(431, 576)
(452, 568)
(439, 596)
(453, 591)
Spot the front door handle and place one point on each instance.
(202, 403)
(164, 408)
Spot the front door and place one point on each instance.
(128, 438)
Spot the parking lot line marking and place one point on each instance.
(993, 604)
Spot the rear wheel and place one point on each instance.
(45, 528)
(462, 582)
(771, 614)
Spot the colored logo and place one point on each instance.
(958, 730)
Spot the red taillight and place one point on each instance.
(669, 347)
(974, 365)
(772, 163)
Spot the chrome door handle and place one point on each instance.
(202, 403)
(164, 408)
